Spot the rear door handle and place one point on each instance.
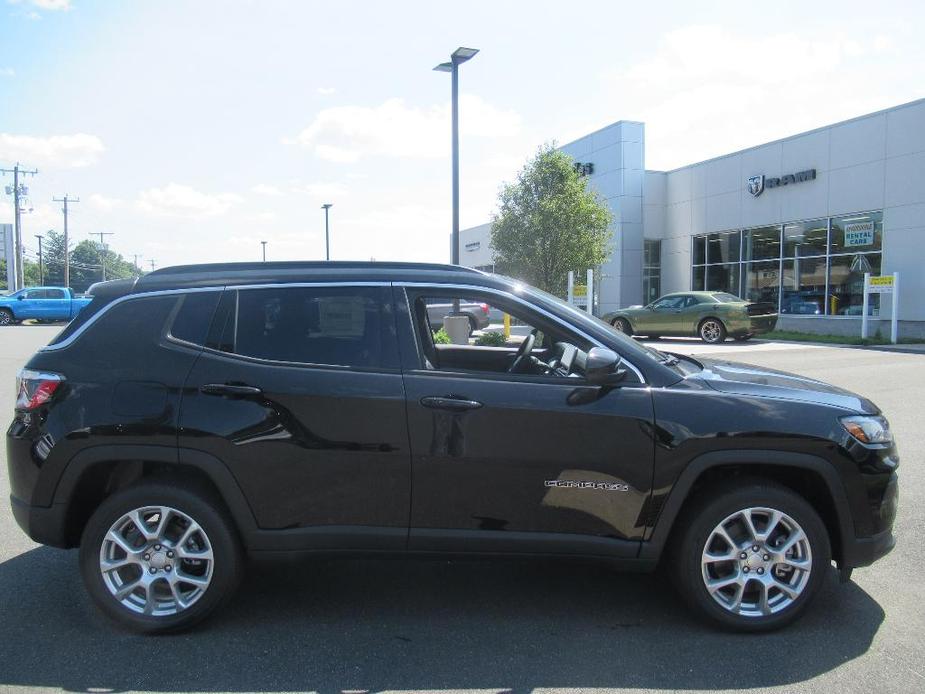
(229, 389)
(450, 403)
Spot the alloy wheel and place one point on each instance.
(156, 561)
(711, 331)
(756, 562)
(5, 318)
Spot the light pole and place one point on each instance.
(327, 235)
(264, 244)
(41, 264)
(458, 57)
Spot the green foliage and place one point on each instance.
(442, 337)
(87, 259)
(549, 222)
(495, 338)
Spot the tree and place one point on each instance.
(549, 223)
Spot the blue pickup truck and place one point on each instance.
(41, 303)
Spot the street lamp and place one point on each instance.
(459, 56)
(327, 236)
(264, 244)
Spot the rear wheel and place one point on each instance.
(623, 326)
(712, 330)
(157, 558)
(752, 557)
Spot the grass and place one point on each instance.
(793, 336)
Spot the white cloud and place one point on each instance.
(394, 129)
(326, 91)
(321, 190)
(183, 201)
(48, 5)
(57, 151)
(7, 72)
(707, 90)
(103, 203)
(266, 189)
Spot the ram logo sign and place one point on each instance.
(757, 184)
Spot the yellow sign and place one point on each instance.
(881, 285)
(580, 290)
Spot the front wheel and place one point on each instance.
(6, 317)
(156, 558)
(751, 557)
(712, 331)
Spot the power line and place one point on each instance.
(101, 234)
(67, 252)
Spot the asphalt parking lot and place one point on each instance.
(364, 626)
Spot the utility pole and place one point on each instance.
(67, 250)
(41, 265)
(264, 244)
(16, 191)
(327, 237)
(152, 264)
(135, 264)
(101, 234)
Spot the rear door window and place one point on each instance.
(332, 326)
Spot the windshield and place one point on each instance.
(631, 347)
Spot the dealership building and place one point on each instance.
(796, 222)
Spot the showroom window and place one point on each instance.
(811, 268)
(651, 270)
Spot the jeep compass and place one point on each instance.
(202, 414)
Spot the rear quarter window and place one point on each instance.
(193, 316)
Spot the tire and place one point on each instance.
(623, 326)
(6, 317)
(725, 508)
(712, 331)
(210, 579)
(473, 325)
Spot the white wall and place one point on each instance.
(875, 162)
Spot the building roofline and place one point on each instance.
(600, 130)
(881, 112)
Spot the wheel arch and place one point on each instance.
(808, 475)
(96, 473)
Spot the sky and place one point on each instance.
(192, 131)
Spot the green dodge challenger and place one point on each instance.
(708, 315)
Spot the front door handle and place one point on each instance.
(229, 389)
(450, 403)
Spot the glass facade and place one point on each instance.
(651, 270)
(812, 268)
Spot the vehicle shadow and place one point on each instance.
(333, 625)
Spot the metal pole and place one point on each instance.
(264, 244)
(590, 292)
(327, 234)
(67, 251)
(455, 127)
(20, 274)
(894, 318)
(864, 306)
(41, 265)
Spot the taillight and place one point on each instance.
(35, 388)
(484, 308)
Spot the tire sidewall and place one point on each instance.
(700, 524)
(722, 331)
(227, 558)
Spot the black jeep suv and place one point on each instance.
(204, 412)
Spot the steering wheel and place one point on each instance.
(523, 352)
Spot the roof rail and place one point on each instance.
(305, 265)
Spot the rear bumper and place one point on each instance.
(762, 324)
(46, 525)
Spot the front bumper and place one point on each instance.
(864, 551)
(46, 525)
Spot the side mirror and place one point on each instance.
(603, 367)
(20, 297)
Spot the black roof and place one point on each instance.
(215, 274)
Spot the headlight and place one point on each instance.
(868, 429)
